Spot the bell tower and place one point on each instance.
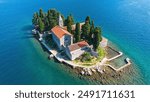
(61, 23)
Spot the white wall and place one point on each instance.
(103, 44)
(57, 41)
(75, 54)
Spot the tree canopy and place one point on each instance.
(77, 33)
(45, 21)
(85, 30)
(97, 37)
(49, 18)
(41, 25)
(91, 33)
(88, 19)
(35, 18)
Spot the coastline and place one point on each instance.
(101, 75)
(128, 34)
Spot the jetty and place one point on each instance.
(128, 63)
(119, 55)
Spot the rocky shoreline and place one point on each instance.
(101, 73)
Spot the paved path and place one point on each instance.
(120, 54)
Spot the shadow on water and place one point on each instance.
(27, 32)
(44, 49)
(27, 28)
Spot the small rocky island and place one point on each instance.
(79, 45)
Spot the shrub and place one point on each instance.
(86, 57)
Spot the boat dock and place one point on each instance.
(128, 63)
(119, 55)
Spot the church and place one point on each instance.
(64, 41)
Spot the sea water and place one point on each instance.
(23, 61)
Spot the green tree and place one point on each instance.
(41, 14)
(53, 23)
(72, 19)
(91, 33)
(41, 25)
(69, 28)
(69, 24)
(47, 24)
(77, 32)
(69, 19)
(88, 19)
(85, 31)
(53, 17)
(35, 19)
(86, 57)
(97, 37)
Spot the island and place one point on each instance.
(79, 45)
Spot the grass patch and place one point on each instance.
(87, 60)
(101, 53)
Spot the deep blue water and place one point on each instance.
(22, 60)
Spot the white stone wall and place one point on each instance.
(75, 54)
(103, 44)
(68, 53)
(61, 42)
(57, 41)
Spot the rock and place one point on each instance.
(100, 71)
(93, 70)
(34, 31)
(51, 56)
(89, 72)
(82, 72)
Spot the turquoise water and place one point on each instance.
(23, 61)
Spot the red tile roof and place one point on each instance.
(60, 32)
(78, 45)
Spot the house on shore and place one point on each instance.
(61, 37)
(77, 49)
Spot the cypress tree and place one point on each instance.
(77, 32)
(91, 33)
(53, 17)
(88, 19)
(97, 37)
(85, 30)
(69, 24)
(71, 19)
(46, 24)
(41, 25)
(35, 19)
(41, 14)
(69, 28)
